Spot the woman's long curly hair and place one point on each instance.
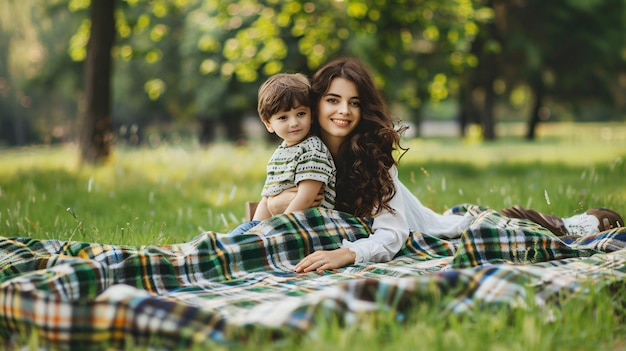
(364, 185)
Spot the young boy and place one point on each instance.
(302, 160)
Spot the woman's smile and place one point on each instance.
(341, 122)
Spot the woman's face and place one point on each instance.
(339, 112)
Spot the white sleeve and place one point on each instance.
(389, 232)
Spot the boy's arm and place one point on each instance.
(305, 198)
(262, 212)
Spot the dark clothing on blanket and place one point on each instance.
(552, 223)
(606, 220)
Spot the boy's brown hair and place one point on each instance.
(282, 92)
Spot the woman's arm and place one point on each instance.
(262, 212)
(389, 232)
(305, 197)
(278, 203)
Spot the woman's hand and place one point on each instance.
(278, 204)
(322, 260)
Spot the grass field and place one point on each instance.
(172, 193)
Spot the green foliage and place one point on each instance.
(555, 41)
(202, 60)
(37, 78)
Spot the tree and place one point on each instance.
(95, 135)
(30, 48)
(203, 60)
(488, 72)
(419, 46)
(565, 51)
(230, 47)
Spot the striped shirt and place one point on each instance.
(310, 159)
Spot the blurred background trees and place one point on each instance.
(191, 68)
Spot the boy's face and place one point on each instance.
(291, 126)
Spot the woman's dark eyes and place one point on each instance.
(336, 101)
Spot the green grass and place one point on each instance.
(171, 194)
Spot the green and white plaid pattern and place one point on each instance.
(78, 295)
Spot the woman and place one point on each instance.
(360, 133)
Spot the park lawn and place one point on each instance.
(172, 193)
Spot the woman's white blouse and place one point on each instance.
(391, 230)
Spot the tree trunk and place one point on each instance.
(232, 124)
(488, 121)
(465, 107)
(207, 131)
(491, 73)
(538, 87)
(95, 134)
(469, 112)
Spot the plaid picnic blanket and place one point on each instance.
(218, 288)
